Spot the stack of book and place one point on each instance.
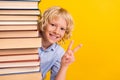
(19, 40)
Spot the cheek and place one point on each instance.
(45, 32)
(46, 29)
(62, 34)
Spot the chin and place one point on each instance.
(53, 41)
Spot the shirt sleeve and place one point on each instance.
(55, 68)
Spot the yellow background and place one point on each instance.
(97, 27)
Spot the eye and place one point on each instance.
(63, 29)
(52, 24)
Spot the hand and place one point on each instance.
(68, 57)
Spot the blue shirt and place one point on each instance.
(50, 59)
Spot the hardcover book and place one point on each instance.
(20, 12)
(18, 5)
(27, 76)
(18, 34)
(18, 18)
(18, 51)
(16, 43)
(2, 23)
(15, 70)
(18, 27)
(19, 57)
(20, 63)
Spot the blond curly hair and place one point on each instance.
(52, 13)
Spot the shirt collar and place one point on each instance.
(51, 48)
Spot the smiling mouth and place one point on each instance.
(53, 36)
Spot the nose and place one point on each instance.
(56, 31)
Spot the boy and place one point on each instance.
(55, 26)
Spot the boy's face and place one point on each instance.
(55, 29)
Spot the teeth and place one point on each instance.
(53, 36)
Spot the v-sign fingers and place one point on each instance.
(77, 48)
(70, 45)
